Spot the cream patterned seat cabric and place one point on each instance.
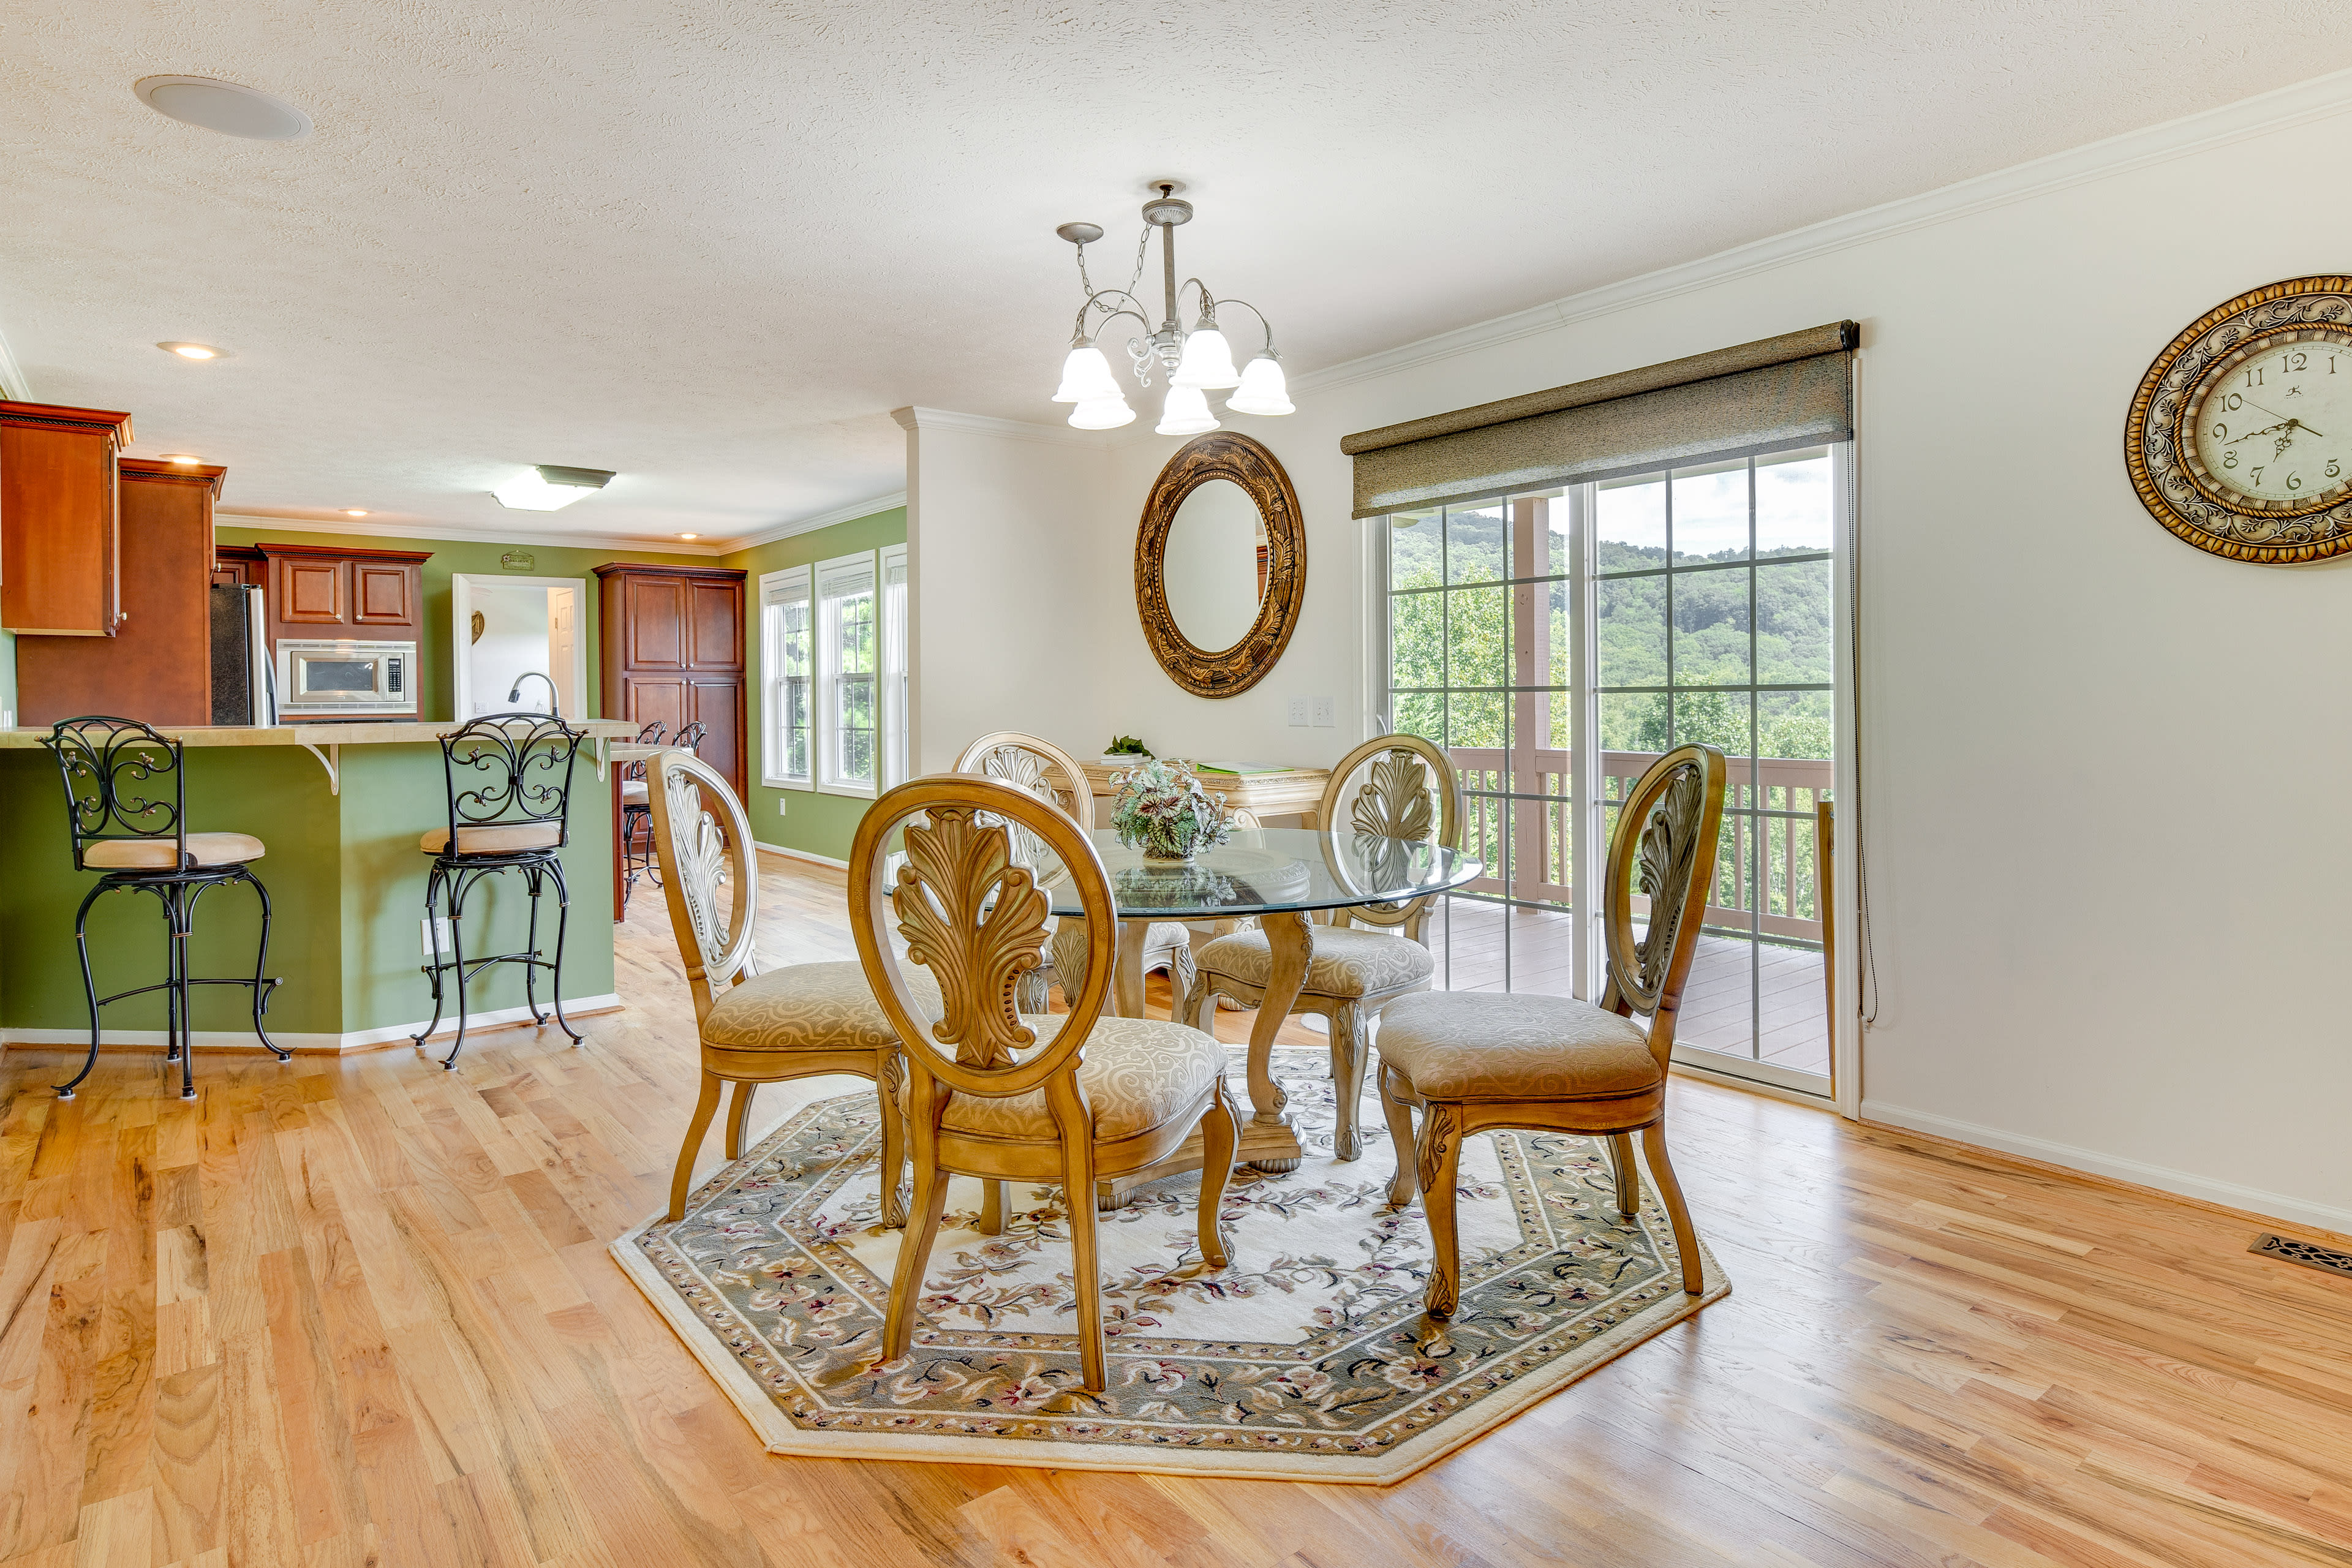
(1359, 962)
(797, 1021)
(1475, 1060)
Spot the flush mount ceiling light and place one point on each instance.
(549, 487)
(222, 106)
(1197, 361)
(689, 536)
(353, 511)
(192, 350)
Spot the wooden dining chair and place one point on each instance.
(1398, 786)
(999, 1094)
(756, 1026)
(1051, 775)
(1475, 1060)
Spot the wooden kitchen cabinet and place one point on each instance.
(60, 519)
(240, 566)
(318, 591)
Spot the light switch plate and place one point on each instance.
(780, 805)
(425, 936)
(1327, 713)
(1299, 711)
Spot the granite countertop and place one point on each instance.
(363, 732)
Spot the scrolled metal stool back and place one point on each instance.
(113, 769)
(507, 770)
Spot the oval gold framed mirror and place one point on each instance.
(1220, 564)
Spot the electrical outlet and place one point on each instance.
(779, 805)
(1298, 712)
(425, 936)
(1327, 713)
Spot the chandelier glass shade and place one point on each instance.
(1193, 362)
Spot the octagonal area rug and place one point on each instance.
(1308, 1358)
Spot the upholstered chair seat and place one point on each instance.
(1137, 1074)
(807, 1008)
(494, 839)
(632, 791)
(163, 854)
(1484, 1045)
(1347, 961)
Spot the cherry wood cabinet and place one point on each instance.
(320, 591)
(154, 668)
(60, 519)
(240, 566)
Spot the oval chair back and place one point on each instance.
(974, 914)
(122, 780)
(1045, 770)
(1664, 850)
(1395, 786)
(510, 769)
(700, 856)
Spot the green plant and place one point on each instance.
(1125, 746)
(1162, 809)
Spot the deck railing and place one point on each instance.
(1769, 808)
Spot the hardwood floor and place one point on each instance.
(359, 1312)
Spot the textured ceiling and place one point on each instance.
(711, 245)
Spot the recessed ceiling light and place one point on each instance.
(549, 487)
(689, 536)
(353, 511)
(222, 106)
(192, 350)
(182, 458)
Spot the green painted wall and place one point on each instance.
(451, 557)
(814, 823)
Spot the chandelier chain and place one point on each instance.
(1142, 246)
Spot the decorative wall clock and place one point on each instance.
(2241, 439)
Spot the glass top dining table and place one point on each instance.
(1281, 876)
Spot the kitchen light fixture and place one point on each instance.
(222, 106)
(549, 487)
(182, 458)
(192, 350)
(689, 536)
(1196, 361)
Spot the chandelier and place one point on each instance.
(1196, 362)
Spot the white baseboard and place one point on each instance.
(303, 1044)
(802, 855)
(2163, 1178)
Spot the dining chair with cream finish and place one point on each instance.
(1475, 1060)
(1002, 1094)
(1397, 786)
(1053, 775)
(756, 1026)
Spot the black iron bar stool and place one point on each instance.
(636, 817)
(112, 770)
(509, 784)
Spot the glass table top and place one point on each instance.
(1264, 870)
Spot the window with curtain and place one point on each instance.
(787, 735)
(849, 665)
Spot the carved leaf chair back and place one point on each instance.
(1042, 768)
(1664, 850)
(714, 891)
(1395, 786)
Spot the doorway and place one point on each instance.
(518, 646)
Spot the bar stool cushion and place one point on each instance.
(1137, 1073)
(1484, 1045)
(809, 1008)
(494, 839)
(632, 791)
(1346, 962)
(163, 854)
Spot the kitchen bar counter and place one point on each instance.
(346, 881)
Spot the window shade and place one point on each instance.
(790, 586)
(846, 576)
(1790, 391)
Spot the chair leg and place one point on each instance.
(436, 891)
(457, 962)
(1221, 1140)
(182, 1014)
(914, 1252)
(894, 1139)
(532, 881)
(738, 1116)
(89, 988)
(262, 984)
(1628, 1175)
(1399, 1114)
(1086, 1259)
(1670, 1193)
(1440, 1165)
(1348, 1049)
(562, 924)
(171, 973)
(705, 1107)
(995, 1197)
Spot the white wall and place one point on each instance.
(514, 639)
(2100, 769)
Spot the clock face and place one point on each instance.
(2270, 424)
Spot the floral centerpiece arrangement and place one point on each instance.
(1162, 809)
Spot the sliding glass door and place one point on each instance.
(1639, 614)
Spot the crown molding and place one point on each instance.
(369, 528)
(1004, 430)
(850, 513)
(2320, 97)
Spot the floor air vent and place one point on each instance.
(2304, 1253)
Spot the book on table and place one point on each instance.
(1236, 770)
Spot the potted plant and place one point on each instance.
(1162, 809)
(1125, 750)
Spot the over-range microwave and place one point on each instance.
(341, 679)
